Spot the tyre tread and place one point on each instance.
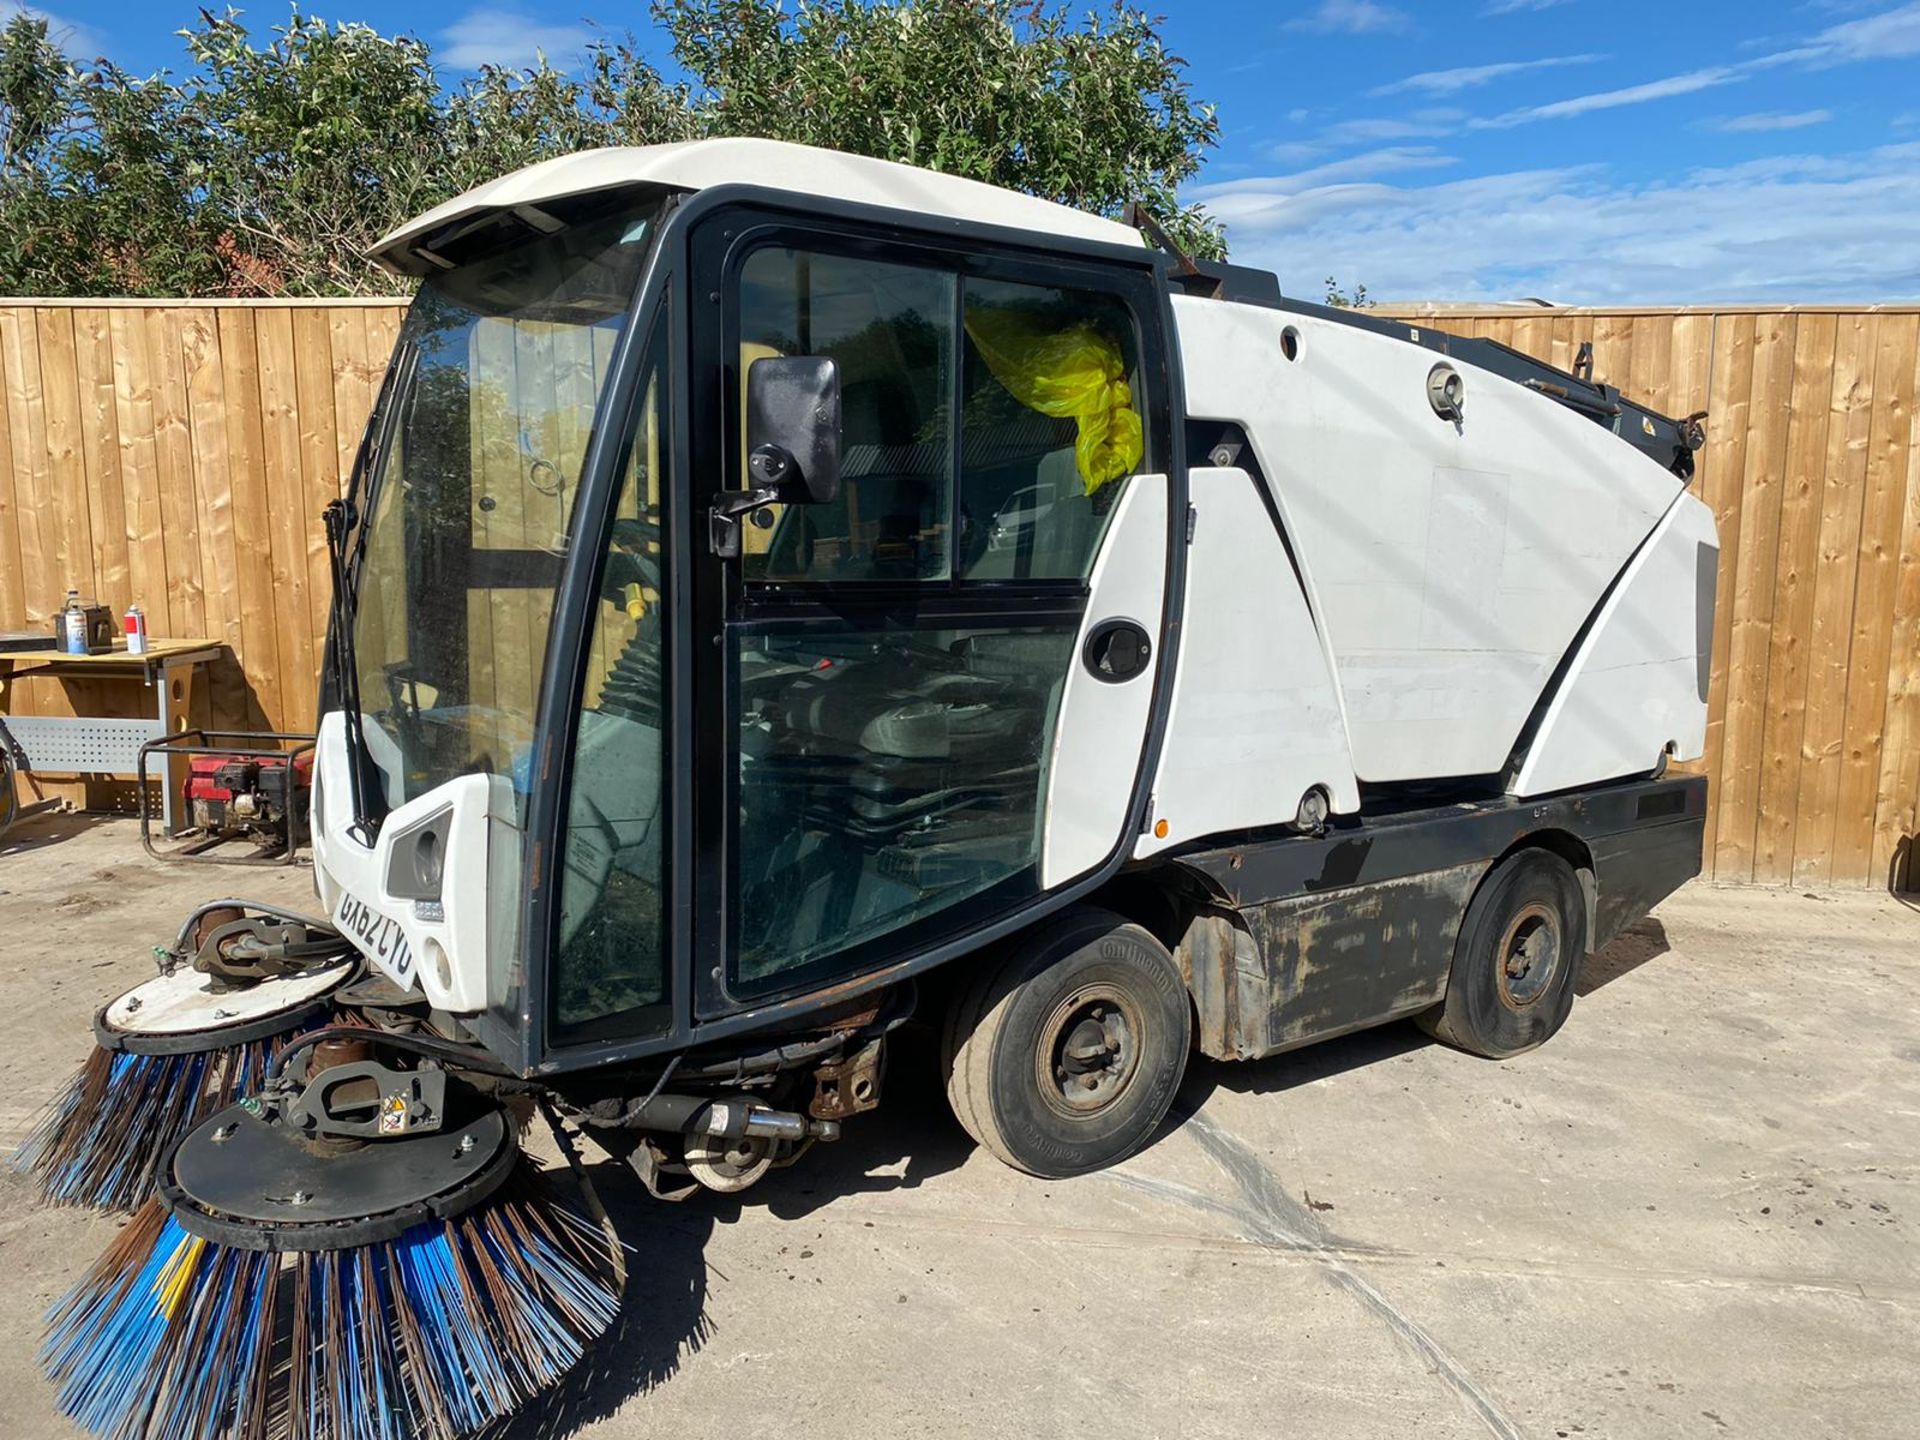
(1451, 1021)
(975, 1019)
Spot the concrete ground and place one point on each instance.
(1694, 1213)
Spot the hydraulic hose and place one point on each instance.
(447, 1052)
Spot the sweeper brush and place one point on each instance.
(175, 1049)
(295, 1279)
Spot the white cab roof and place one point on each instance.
(773, 164)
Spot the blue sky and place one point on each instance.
(1572, 150)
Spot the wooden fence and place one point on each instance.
(178, 455)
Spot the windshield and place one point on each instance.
(473, 499)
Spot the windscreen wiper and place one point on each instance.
(342, 519)
(340, 516)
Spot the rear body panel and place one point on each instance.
(1312, 936)
(1449, 565)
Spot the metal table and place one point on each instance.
(102, 744)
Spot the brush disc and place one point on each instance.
(186, 1012)
(254, 1184)
(169, 1053)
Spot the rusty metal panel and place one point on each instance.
(1286, 972)
(1309, 936)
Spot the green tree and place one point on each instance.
(1091, 113)
(273, 166)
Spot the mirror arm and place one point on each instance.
(723, 518)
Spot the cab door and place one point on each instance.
(926, 704)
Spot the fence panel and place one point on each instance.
(177, 455)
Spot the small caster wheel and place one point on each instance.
(728, 1166)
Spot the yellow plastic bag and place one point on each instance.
(1076, 373)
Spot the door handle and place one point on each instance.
(1117, 650)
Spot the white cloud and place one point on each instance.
(1370, 131)
(81, 42)
(1891, 35)
(1294, 152)
(1513, 7)
(1428, 123)
(1768, 120)
(1466, 77)
(1664, 89)
(1260, 192)
(506, 37)
(1788, 228)
(1353, 17)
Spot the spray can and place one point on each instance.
(73, 625)
(136, 631)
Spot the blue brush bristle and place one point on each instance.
(437, 1333)
(102, 1141)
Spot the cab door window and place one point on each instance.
(610, 971)
(893, 741)
(1052, 420)
(890, 330)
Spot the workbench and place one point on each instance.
(110, 744)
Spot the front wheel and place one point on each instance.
(1064, 1053)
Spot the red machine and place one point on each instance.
(260, 796)
(238, 786)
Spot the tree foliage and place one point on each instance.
(1354, 299)
(272, 164)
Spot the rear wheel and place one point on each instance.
(1064, 1053)
(1516, 958)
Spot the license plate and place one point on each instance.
(378, 936)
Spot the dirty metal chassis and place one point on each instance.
(719, 1117)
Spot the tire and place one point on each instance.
(1063, 1054)
(1516, 959)
(9, 791)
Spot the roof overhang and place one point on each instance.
(802, 170)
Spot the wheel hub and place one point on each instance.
(1529, 956)
(1089, 1051)
(728, 1165)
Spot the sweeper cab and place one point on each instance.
(784, 594)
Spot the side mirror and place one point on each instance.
(793, 428)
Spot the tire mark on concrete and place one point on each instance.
(1272, 1217)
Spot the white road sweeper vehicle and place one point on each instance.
(785, 593)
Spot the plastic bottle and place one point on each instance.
(73, 623)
